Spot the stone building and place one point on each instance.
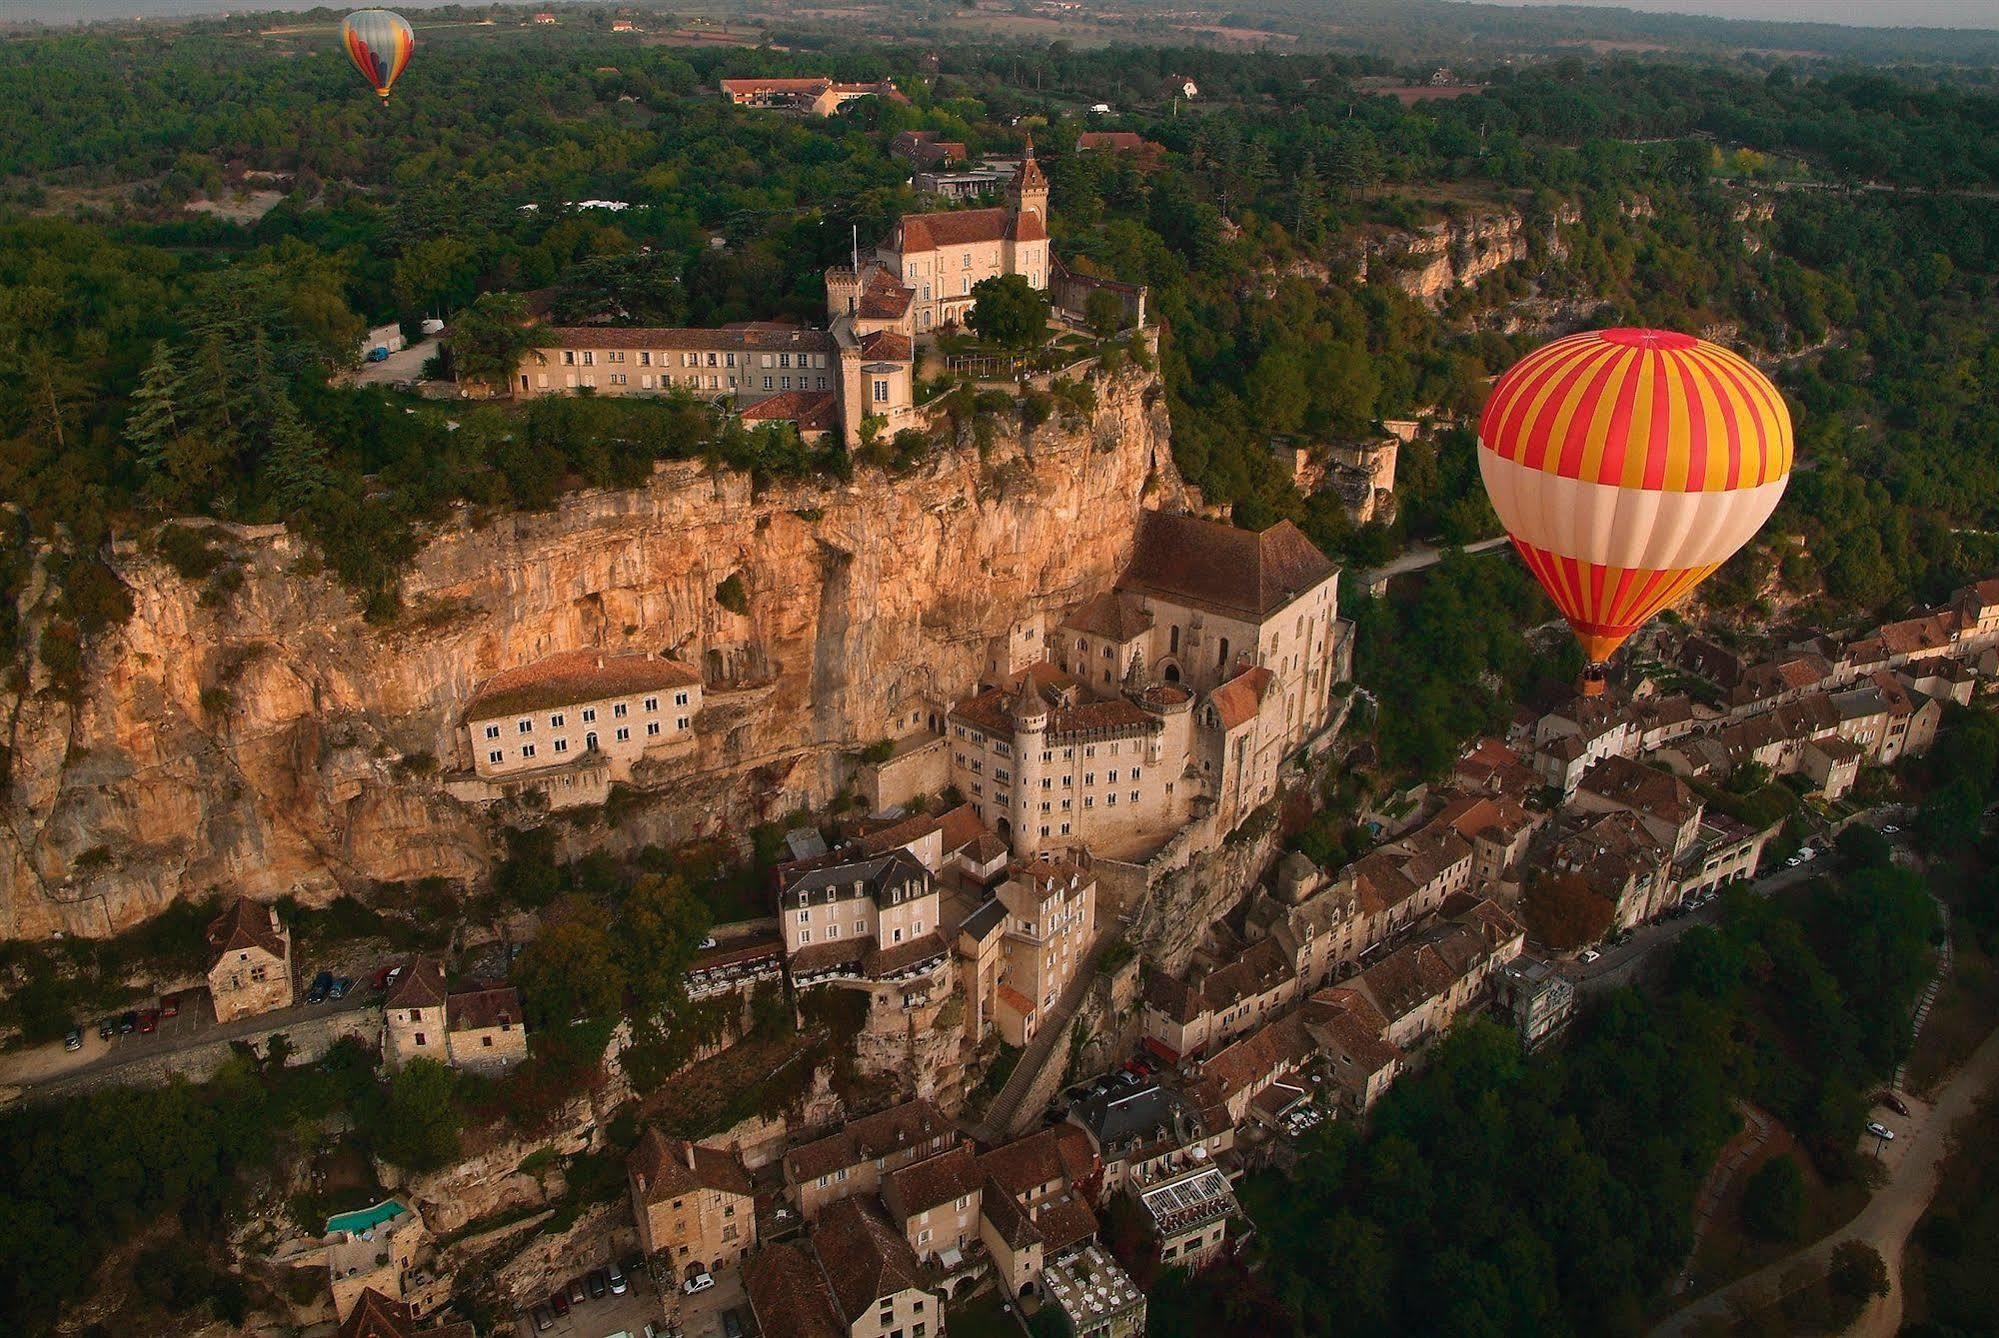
(1095, 1296)
(480, 1029)
(1018, 951)
(941, 257)
(1180, 691)
(569, 724)
(866, 923)
(377, 1316)
(694, 1205)
(815, 95)
(386, 1250)
(859, 1157)
(249, 961)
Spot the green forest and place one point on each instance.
(163, 362)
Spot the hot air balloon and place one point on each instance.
(1627, 465)
(379, 42)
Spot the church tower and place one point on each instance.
(1027, 193)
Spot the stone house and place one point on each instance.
(377, 1316)
(1205, 1012)
(570, 724)
(386, 1250)
(480, 1029)
(249, 961)
(936, 1202)
(1422, 985)
(858, 1158)
(694, 1206)
(1046, 922)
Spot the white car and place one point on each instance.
(700, 1282)
(1794, 861)
(1881, 1131)
(1890, 830)
(1589, 955)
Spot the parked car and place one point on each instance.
(1589, 955)
(1881, 1131)
(170, 1006)
(700, 1282)
(1894, 1103)
(559, 1301)
(617, 1279)
(707, 943)
(544, 1319)
(731, 1326)
(128, 1023)
(379, 353)
(597, 1283)
(107, 1029)
(149, 1021)
(73, 1041)
(322, 985)
(1891, 830)
(577, 1296)
(1794, 861)
(340, 988)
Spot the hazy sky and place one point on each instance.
(1866, 13)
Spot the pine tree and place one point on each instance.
(295, 463)
(156, 415)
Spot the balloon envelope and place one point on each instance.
(1627, 465)
(379, 42)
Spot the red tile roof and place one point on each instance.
(788, 1295)
(885, 1133)
(421, 985)
(1238, 700)
(865, 1260)
(744, 336)
(940, 1179)
(659, 1167)
(917, 233)
(812, 410)
(482, 1009)
(570, 677)
(1117, 141)
(888, 346)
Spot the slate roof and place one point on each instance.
(569, 677)
(660, 1164)
(1206, 563)
(1112, 615)
(243, 924)
(985, 920)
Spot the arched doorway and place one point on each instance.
(1005, 829)
(1172, 673)
(693, 1270)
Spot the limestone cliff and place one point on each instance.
(1432, 261)
(270, 741)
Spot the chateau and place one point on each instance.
(1176, 693)
(941, 257)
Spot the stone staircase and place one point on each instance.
(1003, 1117)
(1922, 1013)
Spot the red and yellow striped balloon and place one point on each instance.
(1627, 465)
(379, 42)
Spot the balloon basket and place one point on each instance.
(1592, 683)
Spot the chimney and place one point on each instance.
(690, 1154)
(600, 661)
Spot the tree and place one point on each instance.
(1009, 311)
(660, 927)
(154, 420)
(295, 464)
(420, 1131)
(571, 971)
(493, 337)
(1564, 912)
(1857, 1272)
(1103, 313)
(1773, 1200)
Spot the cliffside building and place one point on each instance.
(568, 725)
(384, 1251)
(249, 961)
(479, 1029)
(858, 1159)
(694, 1205)
(1018, 951)
(940, 257)
(1181, 689)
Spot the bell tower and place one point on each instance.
(1027, 193)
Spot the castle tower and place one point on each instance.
(1027, 193)
(1030, 728)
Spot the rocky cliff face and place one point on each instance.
(271, 741)
(1431, 262)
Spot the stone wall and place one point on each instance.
(309, 1040)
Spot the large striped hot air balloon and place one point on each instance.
(379, 42)
(1627, 465)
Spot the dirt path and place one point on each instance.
(1886, 1221)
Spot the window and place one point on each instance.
(881, 391)
(568, 357)
(652, 728)
(562, 745)
(1134, 796)
(1111, 776)
(555, 721)
(589, 359)
(832, 931)
(680, 699)
(419, 1038)
(492, 731)
(645, 358)
(804, 936)
(624, 734)
(860, 928)
(769, 383)
(589, 715)
(524, 726)
(486, 1041)
(652, 703)
(618, 711)
(527, 750)
(680, 723)
(495, 756)
(784, 383)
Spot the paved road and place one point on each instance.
(1886, 1221)
(1422, 556)
(50, 1071)
(1622, 964)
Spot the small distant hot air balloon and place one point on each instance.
(379, 42)
(1627, 465)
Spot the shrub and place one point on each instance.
(1773, 1201)
(732, 595)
